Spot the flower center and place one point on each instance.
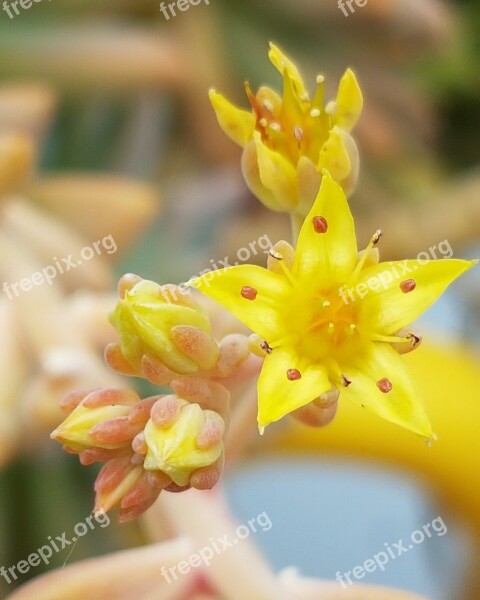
(291, 132)
(324, 326)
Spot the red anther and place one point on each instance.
(408, 286)
(320, 224)
(293, 374)
(384, 385)
(249, 293)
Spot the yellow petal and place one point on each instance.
(277, 174)
(251, 174)
(237, 123)
(385, 308)
(334, 156)
(349, 102)
(292, 112)
(401, 404)
(277, 394)
(331, 256)
(282, 64)
(270, 100)
(260, 314)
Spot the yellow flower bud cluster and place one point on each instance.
(170, 441)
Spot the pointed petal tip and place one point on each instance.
(427, 434)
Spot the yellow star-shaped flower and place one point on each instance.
(329, 316)
(289, 139)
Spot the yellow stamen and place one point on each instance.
(373, 242)
(389, 339)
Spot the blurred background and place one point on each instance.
(106, 130)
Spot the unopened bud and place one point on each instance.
(100, 420)
(144, 319)
(183, 447)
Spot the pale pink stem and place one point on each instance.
(239, 571)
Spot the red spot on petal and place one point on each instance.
(408, 286)
(293, 374)
(346, 382)
(320, 224)
(249, 293)
(384, 385)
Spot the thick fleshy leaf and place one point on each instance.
(277, 394)
(327, 257)
(349, 102)
(277, 174)
(387, 306)
(261, 314)
(282, 64)
(237, 123)
(383, 368)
